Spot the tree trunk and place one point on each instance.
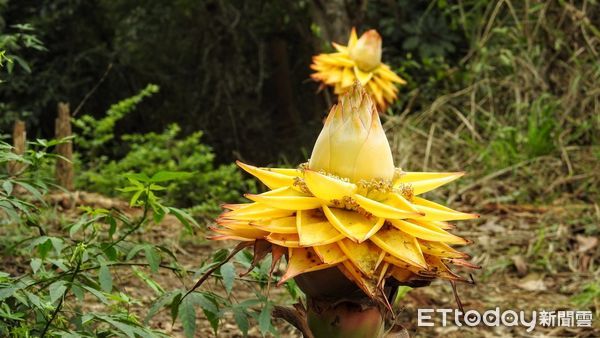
(19, 143)
(64, 166)
(337, 17)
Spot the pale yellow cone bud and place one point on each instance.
(352, 143)
(366, 52)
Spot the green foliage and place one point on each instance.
(513, 144)
(76, 261)
(95, 133)
(71, 262)
(30, 174)
(103, 168)
(513, 98)
(21, 38)
(14, 45)
(204, 190)
(589, 295)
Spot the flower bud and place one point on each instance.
(366, 52)
(352, 143)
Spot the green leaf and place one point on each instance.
(44, 248)
(157, 187)
(149, 281)
(248, 303)
(77, 226)
(159, 213)
(135, 197)
(78, 292)
(105, 278)
(126, 328)
(58, 244)
(21, 63)
(113, 226)
(241, 319)
(60, 263)
(264, 319)
(34, 300)
(186, 219)
(8, 187)
(35, 264)
(213, 319)
(163, 176)
(131, 188)
(228, 274)
(137, 248)
(32, 190)
(187, 315)
(8, 292)
(160, 302)
(141, 177)
(97, 293)
(57, 290)
(153, 257)
(9, 209)
(175, 306)
(220, 255)
(110, 251)
(204, 301)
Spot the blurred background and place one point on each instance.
(508, 91)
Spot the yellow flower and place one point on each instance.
(359, 60)
(350, 209)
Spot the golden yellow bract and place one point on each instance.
(349, 208)
(360, 61)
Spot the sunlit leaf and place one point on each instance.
(228, 274)
(159, 303)
(35, 264)
(105, 278)
(153, 257)
(57, 290)
(264, 319)
(187, 315)
(164, 176)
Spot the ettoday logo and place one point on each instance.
(495, 317)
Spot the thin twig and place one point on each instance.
(91, 92)
(208, 273)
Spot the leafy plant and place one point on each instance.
(67, 263)
(74, 261)
(96, 133)
(208, 187)
(21, 38)
(15, 42)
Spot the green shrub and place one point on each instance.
(96, 133)
(64, 274)
(102, 165)
(209, 186)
